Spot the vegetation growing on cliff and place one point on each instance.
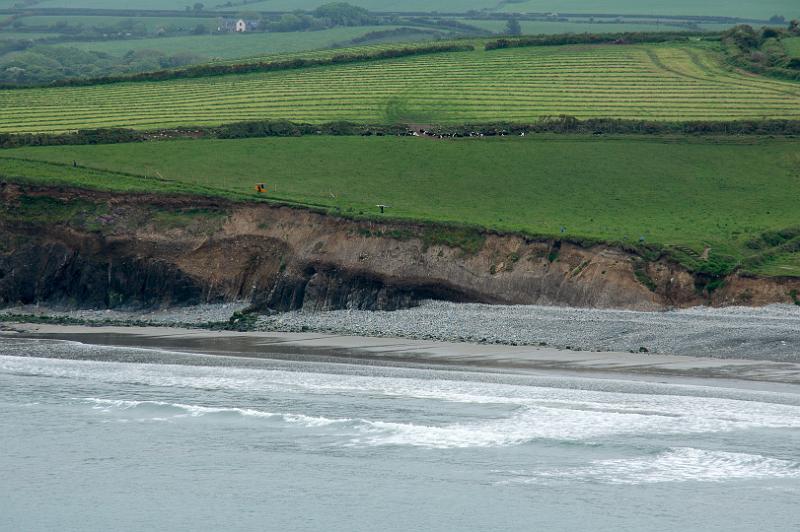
(46, 209)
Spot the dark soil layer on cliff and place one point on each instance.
(716, 204)
(76, 248)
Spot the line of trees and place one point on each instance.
(283, 128)
(39, 65)
(611, 126)
(88, 136)
(596, 38)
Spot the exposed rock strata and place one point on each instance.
(122, 254)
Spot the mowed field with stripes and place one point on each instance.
(659, 82)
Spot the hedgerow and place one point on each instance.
(597, 38)
(283, 128)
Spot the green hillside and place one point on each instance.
(228, 45)
(661, 82)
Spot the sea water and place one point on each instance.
(97, 438)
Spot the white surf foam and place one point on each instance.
(517, 413)
(683, 464)
(522, 426)
(155, 410)
(532, 424)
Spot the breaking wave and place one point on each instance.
(523, 425)
(162, 411)
(391, 410)
(682, 464)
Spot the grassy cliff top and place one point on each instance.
(733, 199)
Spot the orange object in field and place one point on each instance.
(261, 188)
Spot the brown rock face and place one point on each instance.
(142, 251)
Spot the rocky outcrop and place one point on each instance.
(73, 276)
(323, 287)
(144, 251)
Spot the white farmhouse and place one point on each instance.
(237, 25)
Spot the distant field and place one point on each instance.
(23, 35)
(229, 45)
(762, 9)
(523, 84)
(115, 4)
(793, 46)
(444, 6)
(151, 23)
(267, 5)
(534, 27)
(688, 194)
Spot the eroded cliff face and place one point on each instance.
(92, 249)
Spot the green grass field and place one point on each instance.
(540, 27)
(792, 46)
(688, 194)
(637, 82)
(26, 35)
(151, 23)
(536, 27)
(762, 9)
(228, 46)
(324, 53)
(112, 4)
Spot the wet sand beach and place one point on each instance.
(397, 351)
